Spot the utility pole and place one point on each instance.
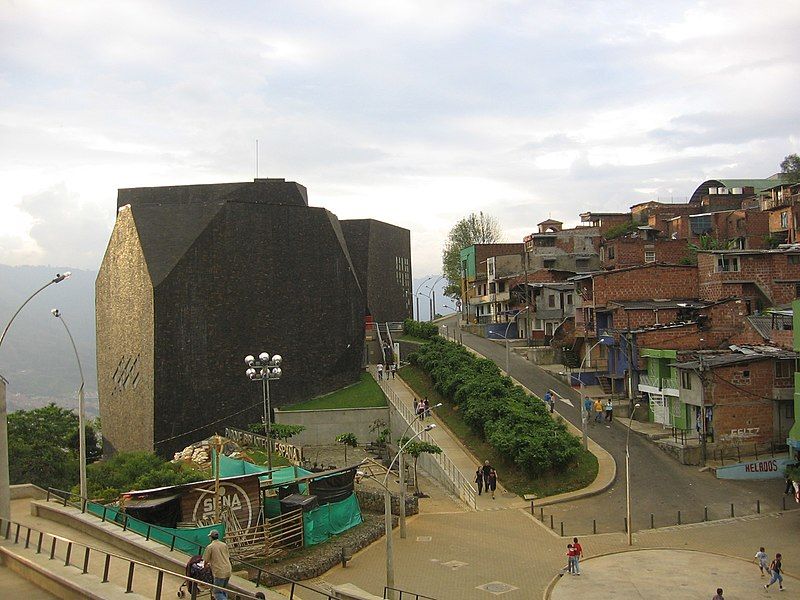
(217, 450)
(703, 434)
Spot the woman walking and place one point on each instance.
(491, 482)
(479, 480)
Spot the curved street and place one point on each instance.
(659, 484)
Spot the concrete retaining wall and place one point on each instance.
(322, 426)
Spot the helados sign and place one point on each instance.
(768, 468)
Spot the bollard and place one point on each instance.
(705, 513)
(758, 507)
(346, 556)
(551, 521)
(732, 510)
(626, 524)
(541, 515)
(562, 528)
(594, 526)
(652, 521)
(679, 517)
(533, 512)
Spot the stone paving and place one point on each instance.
(450, 556)
(666, 575)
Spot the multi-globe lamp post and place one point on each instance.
(265, 369)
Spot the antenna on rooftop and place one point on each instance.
(256, 158)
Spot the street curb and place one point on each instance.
(606, 465)
(554, 581)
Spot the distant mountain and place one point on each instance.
(36, 357)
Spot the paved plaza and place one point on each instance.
(666, 575)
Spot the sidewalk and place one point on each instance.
(455, 451)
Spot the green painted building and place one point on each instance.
(660, 383)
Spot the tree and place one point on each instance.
(417, 449)
(43, 446)
(790, 167)
(127, 471)
(474, 229)
(347, 439)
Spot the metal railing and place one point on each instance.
(461, 485)
(61, 548)
(400, 594)
(255, 572)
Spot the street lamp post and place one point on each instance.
(265, 369)
(432, 297)
(402, 468)
(5, 490)
(505, 336)
(416, 294)
(604, 340)
(387, 510)
(628, 475)
(81, 410)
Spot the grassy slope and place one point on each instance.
(364, 394)
(510, 476)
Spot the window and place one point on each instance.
(727, 264)
(784, 220)
(582, 263)
(649, 256)
(789, 410)
(490, 264)
(700, 224)
(784, 369)
(569, 299)
(549, 264)
(794, 259)
(544, 242)
(611, 252)
(501, 286)
(686, 380)
(551, 301)
(746, 374)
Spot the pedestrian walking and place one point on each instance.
(578, 550)
(598, 411)
(491, 482)
(393, 370)
(587, 407)
(762, 560)
(426, 408)
(718, 595)
(479, 480)
(552, 401)
(216, 555)
(379, 369)
(609, 410)
(570, 559)
(416, 406)
(776, 568)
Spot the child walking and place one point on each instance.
(762, 560)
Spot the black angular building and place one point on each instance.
(196, 277)
(381, 255)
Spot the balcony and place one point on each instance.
(658, 385)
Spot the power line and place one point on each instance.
(225, 418)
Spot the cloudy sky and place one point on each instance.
(415, 113)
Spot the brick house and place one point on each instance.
(781, 203)
(743, 229)
(641, 247)
(745, 397)
(553, 247)
(763, 277)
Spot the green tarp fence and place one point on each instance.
(318, 524)
(330, 519)
(189, 541)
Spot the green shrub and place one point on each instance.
(513, 422)
(420, 329)
(127, 471)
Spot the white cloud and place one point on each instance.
(412, 112)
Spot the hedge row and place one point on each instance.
(420, 329)
(513, 422)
